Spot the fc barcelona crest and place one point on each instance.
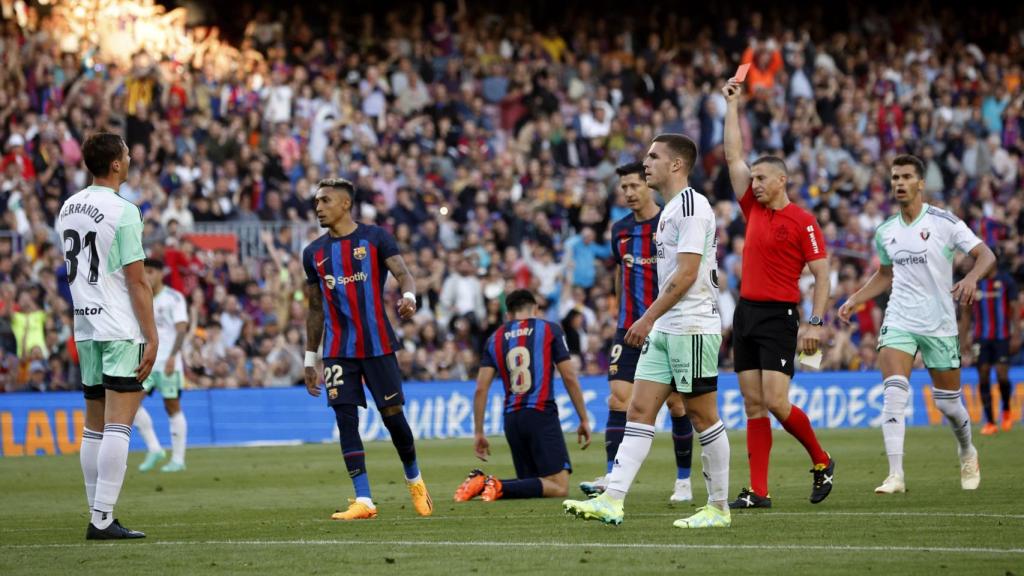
(925, 234)
(332, 393)
(359, 253)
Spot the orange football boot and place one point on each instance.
(492, 489)
(471, 487)
(356, 511)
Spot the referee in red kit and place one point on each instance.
(781, 238)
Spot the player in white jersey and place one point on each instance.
(680, 334)
(171, 312)
(915, 248)
(114, 328)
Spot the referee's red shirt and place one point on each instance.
(777, 246)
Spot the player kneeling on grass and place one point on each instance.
(525, 351)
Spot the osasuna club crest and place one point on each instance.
(359, 253)
(925, 234)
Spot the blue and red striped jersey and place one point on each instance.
(351, 273)
(525, 353)
(991, 231)
(635, 253)
(992, 309)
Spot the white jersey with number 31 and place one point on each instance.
(101, 233)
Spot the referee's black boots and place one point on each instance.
(822, 480)
(747, 499)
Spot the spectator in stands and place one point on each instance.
(493, 135)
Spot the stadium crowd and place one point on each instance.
(486, 143)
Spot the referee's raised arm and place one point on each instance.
(739, 172)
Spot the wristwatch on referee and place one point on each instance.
(816, 321)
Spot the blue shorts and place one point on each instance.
(623, 359)
(537, 443)
(344, 379)
(993, 352)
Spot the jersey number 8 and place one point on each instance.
(520, 378)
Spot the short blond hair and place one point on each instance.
(337, 183)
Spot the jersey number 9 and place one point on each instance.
(616, 352)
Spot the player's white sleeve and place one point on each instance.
(962, 238)
(883, 254)
(180, 310)
(693, 232)
(127, 245)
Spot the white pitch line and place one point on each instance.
(757, 515)
(767, 514)
(572, 545)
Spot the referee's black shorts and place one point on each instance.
(764, 336)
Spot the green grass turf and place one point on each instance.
(240, 510)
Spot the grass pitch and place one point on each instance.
(240, 510)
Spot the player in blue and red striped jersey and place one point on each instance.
(996, 338)
(636, 286)
(346, 269)
(524, 352)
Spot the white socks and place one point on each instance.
(88, 455)
(144, 422)
(111, 463)
(714, 447)
(636, 443)
(179, 431)
(949, 403)
(896, 390)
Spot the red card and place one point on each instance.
(741, 72)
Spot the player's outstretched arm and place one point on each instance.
(483, 383)
(966, 290)
(407, 305)
(314, 334)
(572, 387)
(879, 283)
(739, 172)
(141, 296)
(687, 266)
